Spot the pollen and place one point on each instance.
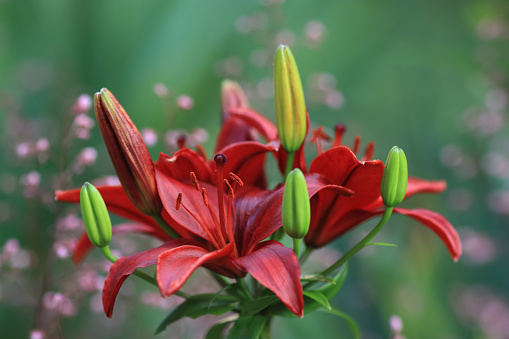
(178, 202)
(236, 178)
(195, 181)
(204, 196)
(229, 189)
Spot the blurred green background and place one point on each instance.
(428, 76)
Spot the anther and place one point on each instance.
(204, 196)
(229, 189)
(181, 141)
(338, 137)
(178, 202)
(356, 144)
(195, 181)
(236, 178)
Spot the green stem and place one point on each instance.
(289, 163)
(160, 221)
(296, 246)
(107, 253)
(243, 285)
(360, 245)
(305, 255)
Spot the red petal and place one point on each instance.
(245, 159)
(417, 185)
(258, 215)
(116, 201)
(233, 130)
(438, 224)
(175, 266)
(125, 266)
(277, 268)
(182, 163)
(195, 216)
(83, 245)
(257, 121)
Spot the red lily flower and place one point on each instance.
(222, 232)
(333, 214)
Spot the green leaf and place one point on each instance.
(331, 290)
(250, 327)
(318, 277)
(354, 328)
(199, 305)
(318, 297)
(251, 307)
(216, 331)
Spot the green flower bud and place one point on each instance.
(95, 216)
(289, 100)
(296, 206)
(395, 178)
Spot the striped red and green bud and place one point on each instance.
(95, 216)
(289, 100)
(296, 207)
(128, 152)
(395, 178)
(232, 95)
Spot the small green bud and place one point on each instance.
(95, 216)
(395, 178)
(289, 100)
(296, 206)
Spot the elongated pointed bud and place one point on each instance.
(128, 152)
(95, 216)
(289, 100)
(296, 206)
(395, 178)
(232, 95)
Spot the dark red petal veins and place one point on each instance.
(125, 266)
(175, 266)
(277, 268)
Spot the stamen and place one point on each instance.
(338, 137)
(236, 178)
(220, 160)
(204, 197)
(370, 150)
(178, 202)
(181, 141)
(229, 189)
(195, 181)
(318, 136)
(201, 151)
(356, 144)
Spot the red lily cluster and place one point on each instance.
(220, 211)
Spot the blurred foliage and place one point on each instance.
(407, 71)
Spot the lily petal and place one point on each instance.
(233, 130)
(175, 266)
(125, 266)
(182, 163)
(116, 201)
(255, 120)
(83, 245)
(277, 268)
(417, 185)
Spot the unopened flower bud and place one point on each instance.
(296, 207)
(232, 95)
(95, 216)
(395, 178)
(289, 100)
(128, 152)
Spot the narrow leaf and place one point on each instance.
(354, 328)
(199, 305)
(318, 277)
(216, 331)
(251, 307)
(249, 327)
(381, 244)
(318, 297)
